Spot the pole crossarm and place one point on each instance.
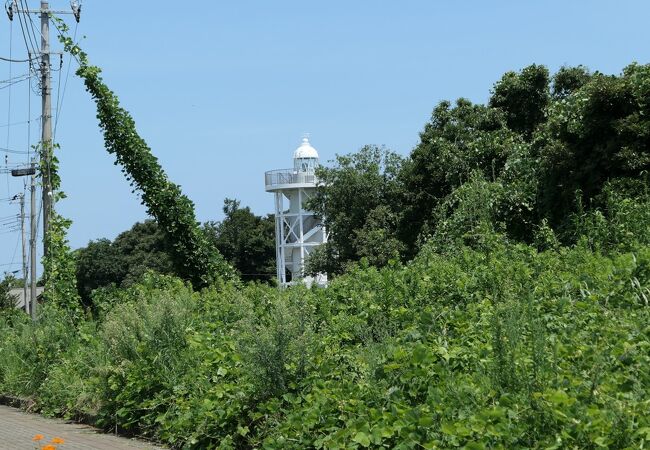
(41, 11)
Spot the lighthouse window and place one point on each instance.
(305, 164)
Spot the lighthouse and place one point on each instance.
(297, 230)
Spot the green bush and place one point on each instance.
(495, 345)
(31, 350)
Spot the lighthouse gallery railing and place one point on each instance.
(287, 176)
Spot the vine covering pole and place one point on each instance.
(195, 259)
(46, 103)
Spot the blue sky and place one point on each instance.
(223, 91)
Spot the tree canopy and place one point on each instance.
(542, 151)
(246, 240)
(121, 262)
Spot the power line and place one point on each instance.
(15, 81)
(13, 257)
(11, 36)
(18, 123)
(31, 50)
(12, 78)
(30, 26)
(17, 152)
(2, 58)
(65, 84)
(29, 122)
(10, 225)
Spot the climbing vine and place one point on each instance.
(194, 259)
(59, 267)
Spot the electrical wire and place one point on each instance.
(31, 26)
(13, 258)
(2, 58)
(29, 122)
(17, 123)
(16, 81)
(11, 36)
(31, 49)
(12, 78)
(36, 49)
(16, 152)
(10, 225)
(65, 84)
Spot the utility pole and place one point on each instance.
(32, 240)
(32, 244)
(47, 144)
(22, 232)
(46, 112)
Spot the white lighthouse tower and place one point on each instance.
(297, 230)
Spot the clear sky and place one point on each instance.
(223, 91)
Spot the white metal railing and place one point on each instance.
(287, 176)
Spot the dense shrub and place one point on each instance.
(499, 346)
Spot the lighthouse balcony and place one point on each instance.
(280, 179)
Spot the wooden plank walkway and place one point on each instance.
(17, 429)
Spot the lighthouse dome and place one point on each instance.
(305, 151)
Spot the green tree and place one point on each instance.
(122, 262)
(357, 198)
(458, 142)
(7, 300)
(246, 240)
(596, 134)
(567, 80)
(523, 97)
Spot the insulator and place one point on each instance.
(9, 7)
(76, 9)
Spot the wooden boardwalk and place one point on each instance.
(17, 429)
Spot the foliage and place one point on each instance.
(620, 223)
(497, 347)
(459, 143)
(245, 240)
(538, 154)
(568, 80)
(194, 259)
(596, 134)
(495, 334)
(7, 300)
(523, 97)
(59, 265)
(103, 263)
(352, 199)
(33, 348)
